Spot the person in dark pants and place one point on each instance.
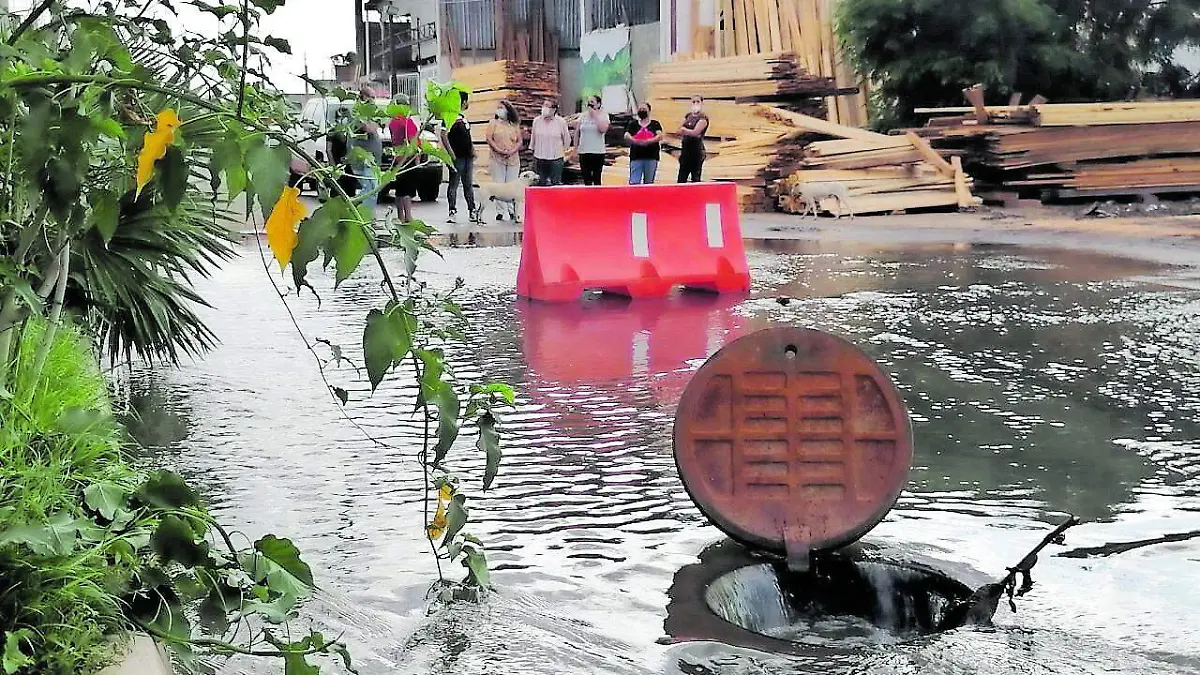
(691, 132)
(549, 140)
(589, 141)
(462, 150)
(338, 151)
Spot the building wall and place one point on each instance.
(570, 82)
(645, 49)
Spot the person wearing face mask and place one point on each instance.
(691, 156)
(549, 140)
(462, 150)
(504, 140)
(589, 140)
(644, 136)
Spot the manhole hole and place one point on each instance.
(838, 601)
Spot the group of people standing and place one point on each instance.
(553, 141)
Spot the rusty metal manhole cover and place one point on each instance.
(793, 440)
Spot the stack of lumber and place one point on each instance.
(525, 84)
(754, 78)
(1077, 150)
(803, 27)
(883, 174)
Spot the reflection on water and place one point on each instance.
(1038, 382)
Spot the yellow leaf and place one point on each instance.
(438, 526)
(281, 226)
(445, 493)
(155, 146)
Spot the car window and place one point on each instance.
(310, 110)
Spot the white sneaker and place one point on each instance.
(451, 217)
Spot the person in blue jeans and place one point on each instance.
(644, 136)
(366, 153)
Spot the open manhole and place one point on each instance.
(796, 444)
(837, 601)
(848, 599)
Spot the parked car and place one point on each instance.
(321, 113)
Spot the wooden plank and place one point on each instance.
(960, 184)
(823, 127)
(773, 19)
(741, 26)
(930, 154)
(794, 41)
(759, 31)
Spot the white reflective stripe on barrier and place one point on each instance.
(641, 236)
(712, 222)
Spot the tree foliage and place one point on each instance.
(925, 52)
(125, 147)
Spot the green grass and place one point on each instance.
(57, 438)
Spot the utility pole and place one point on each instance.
(360, 32)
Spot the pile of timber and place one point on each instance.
(1075, 150)
(801, 27)
(883, 174)
(740, 78)
(746, 142)
(783, 148)
(525, 84)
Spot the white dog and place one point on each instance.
(513, 193)
(812, 194)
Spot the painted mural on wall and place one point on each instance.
(606, 68)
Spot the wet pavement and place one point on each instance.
(1040, 382)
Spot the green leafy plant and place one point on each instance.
(125, 146)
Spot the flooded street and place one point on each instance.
(1039, 382)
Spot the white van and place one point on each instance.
(320, 112)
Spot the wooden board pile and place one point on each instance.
(882, 173)
(1079, 150)
(803, 27)
(525, 84)
(742, 78)
(783, 148)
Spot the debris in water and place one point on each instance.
(981, 606)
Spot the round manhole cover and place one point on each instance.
(793, 440)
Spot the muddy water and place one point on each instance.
(1040, 383)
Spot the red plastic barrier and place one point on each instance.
(639, 241)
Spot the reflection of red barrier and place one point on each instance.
(639, 241)
(620, 341)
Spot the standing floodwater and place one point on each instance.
(1038, 383)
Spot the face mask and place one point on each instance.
(695, 107)
(643, 114)
(501, 113)
(545, 111)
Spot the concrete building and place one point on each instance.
(412, 36)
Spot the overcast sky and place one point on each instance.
(316, 29)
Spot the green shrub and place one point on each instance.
(57, 441)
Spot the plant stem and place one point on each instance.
(34, 15)
(241, 101)
(60, 292)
